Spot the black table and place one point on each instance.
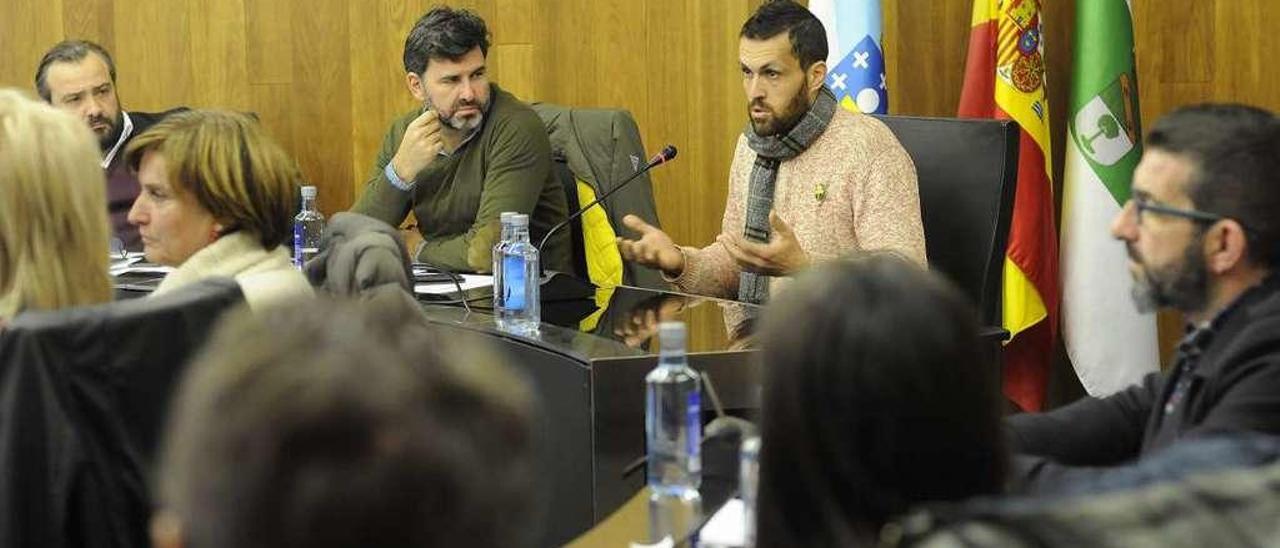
(587, 366)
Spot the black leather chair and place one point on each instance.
(968, 172)
(84, 394)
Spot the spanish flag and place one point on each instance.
(1005, 79)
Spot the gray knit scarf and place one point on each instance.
(770, 152)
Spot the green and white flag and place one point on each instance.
(1110, 344)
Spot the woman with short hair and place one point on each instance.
(53, 210)
(876, 398)
(218, 199)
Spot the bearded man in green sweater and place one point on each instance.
(469, 153)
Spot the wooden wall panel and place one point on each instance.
(378, 29)
(670, 61)
(321, 98)
(325, 76)
(218, 50)
(88, 18)
(153, 57)
(268, 42)
(27, 28)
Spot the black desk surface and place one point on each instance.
(622, 324)
(587, 365)
(588, 362)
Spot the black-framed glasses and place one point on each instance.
(1142, 205)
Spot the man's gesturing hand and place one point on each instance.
(780, 256)
(654, 249)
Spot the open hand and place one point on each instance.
(654, 249)
(780, 256)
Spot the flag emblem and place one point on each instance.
(855, 60)
(858, 81)
(1106, 126)
(1020, 60)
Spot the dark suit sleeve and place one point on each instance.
(1073, 444)
(1091, 431)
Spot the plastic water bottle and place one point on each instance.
(308, 226)
(675, 517)
(673, 427)
(519, 310)
(749, 487)
(503, 240)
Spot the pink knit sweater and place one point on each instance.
(853, 189)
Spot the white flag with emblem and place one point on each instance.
(1111, 346)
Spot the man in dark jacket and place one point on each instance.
(79, 76)
(1203, 238)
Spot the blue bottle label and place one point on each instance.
(297, 244)
(513, 282)
(693, 413)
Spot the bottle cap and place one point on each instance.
(505, 217)
(309, 192)
(519, 219)
(671, 335)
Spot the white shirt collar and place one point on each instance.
(124, 136)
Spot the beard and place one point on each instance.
(781, 122)
(108, 139)
(462, 123)
(1183, 287)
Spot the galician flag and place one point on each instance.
(855, 61)
(1004, 79)
(1110, 344)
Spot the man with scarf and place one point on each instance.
(79, 77)
(810, 181)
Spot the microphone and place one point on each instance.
(558, 286)
(668, 153)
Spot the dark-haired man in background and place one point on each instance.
(809, 181)
(469, 153)
(1203, 238)
(80, 77)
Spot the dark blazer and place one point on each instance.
(1234, 387)
(122, 183)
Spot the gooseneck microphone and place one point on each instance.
(668, 153)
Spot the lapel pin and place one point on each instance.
(820, 192)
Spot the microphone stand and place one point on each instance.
(559, 286)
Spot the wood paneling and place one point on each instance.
(325, 76)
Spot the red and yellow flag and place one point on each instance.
(1005, 79)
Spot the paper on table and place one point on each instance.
(725, 528)
(119, 264)
(130, 268)
(469, 281)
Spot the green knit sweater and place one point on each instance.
(457, 199)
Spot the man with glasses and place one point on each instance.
(1202, 229)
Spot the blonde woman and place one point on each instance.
(53, 210)
(218, 199)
